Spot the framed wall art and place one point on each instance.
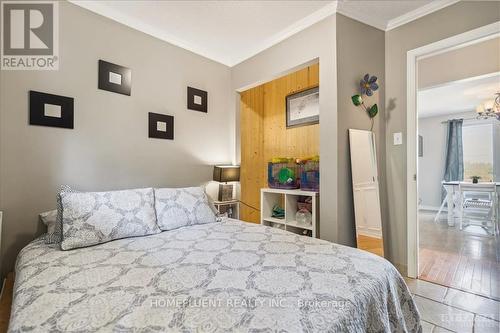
(302, 108)
(50, 110)
(115, 78)
(197, 99)
(161, 126)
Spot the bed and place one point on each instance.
(226, 276)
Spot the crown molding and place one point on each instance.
(418, 13)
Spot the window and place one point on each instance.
(478, 151)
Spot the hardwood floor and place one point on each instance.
(465, 260)
(5, 303)
(371, 244)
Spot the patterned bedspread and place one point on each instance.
(229, 276)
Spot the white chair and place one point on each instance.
(436, 218)
(478, 204)
(454, 200)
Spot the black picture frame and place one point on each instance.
(197, 100)
(115, 78)
(161, 126)
(310, 96)
(51, 110)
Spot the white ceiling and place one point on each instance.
(232, 31)
(456, 97)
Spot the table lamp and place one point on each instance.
(225, 174)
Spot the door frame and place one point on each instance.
(448, 44)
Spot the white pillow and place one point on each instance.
(91, 218)
(180, 207)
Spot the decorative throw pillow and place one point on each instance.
(54, 236)
(91, 218)
(179, 207)
(49, 220)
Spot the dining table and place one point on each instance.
(452, 190)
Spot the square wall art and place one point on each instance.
(161, 126)
(115, 78)
(197, 100)
(50, 110)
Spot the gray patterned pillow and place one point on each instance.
(54, 235)
(91, 218)
(179, 207)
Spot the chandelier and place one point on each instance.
(490, 108)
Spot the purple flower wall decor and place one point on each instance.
(368, 85)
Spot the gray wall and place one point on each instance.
(353, 41)
(109, 147)
(311, 44)
(453, 20)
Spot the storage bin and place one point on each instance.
(283, 175)
(309, 178)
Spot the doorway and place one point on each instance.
(420, 222)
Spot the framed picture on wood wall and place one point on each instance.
(302, 108)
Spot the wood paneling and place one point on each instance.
(264, 134)
(252, 145)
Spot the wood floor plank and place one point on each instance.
(477, 275)
(486, 277)
(457, 278)
(452, 269)
(467, 279)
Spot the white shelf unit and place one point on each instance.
(287, 199)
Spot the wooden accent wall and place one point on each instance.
(264, 134)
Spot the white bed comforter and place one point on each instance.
(229, 276)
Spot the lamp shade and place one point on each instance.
(226, 173)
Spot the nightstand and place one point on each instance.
(231, 208)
